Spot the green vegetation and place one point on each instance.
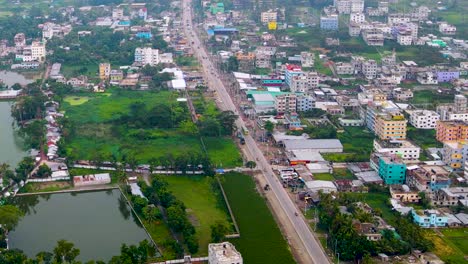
(425, 138)
(342, 173)
(76, 100)
(223, 152)
(431, 98)
(72, 70)
(257, 227)
(451, 245)
(35, 187)
(204, 202)
(323, 177)
(357, 145)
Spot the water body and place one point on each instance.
(9, 78)
(12, 149)
(98, 223)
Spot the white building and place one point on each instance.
(307, 59)
(405, 38)
(38, 51)
(398, 18)
(357, 6)
(357, 18)
(424, 119)
(344, 68)
(369, 69)
(404, 148)
(269, 16)
(427, 78)
(447, 29)
(146, 56)
(305, 103)
(304, 82)
(223, 253)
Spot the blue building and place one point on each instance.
(429, 218)
(392, 170)
(329, 22)
(291, 71)
(144, 34)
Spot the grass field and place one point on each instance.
(451, 245)
(223, 152)
(323, 177)
(343, 173)
(431, 98)
(90, 71)
(261, 240)
(425, 138)
(203, 205)
(76, 100)
(357, 145)
(96, 134)
(379, 200)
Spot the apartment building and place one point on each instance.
(373, 37)
(447, 131)
(424, 119)
(305, 103)
(357, 18)
(286, 103)
(427, 178)
(329, 22)
(369, 69)
(269, 16)
(390, 126)
(454, 154)
(304, 82)
(404, 148)
(392, 170)
(147, 56)
(104, 71)
(404, 193)
(344, 68)
(398, 18)
(290, 71)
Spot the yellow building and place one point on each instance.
(272, 25)
(390, 126)
(104, 71)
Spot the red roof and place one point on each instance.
(293, 67)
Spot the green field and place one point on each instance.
(451, 245)
(223, 152)
(203, 205)
(75, 100)
(261, 240)
(431, 98)
(96, 133)
(425, 138)
(357, 145)
(323, 177)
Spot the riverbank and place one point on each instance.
(76, 189)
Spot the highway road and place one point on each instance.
(309, 242)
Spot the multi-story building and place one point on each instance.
(390, 126)
(344, 68)
(268, 16)
(373, 37)
(400, 94)
(38, 51)
(447, 29)
(117, 13)
(354, 29)
(357, 18)
(404, 38)
(246, 61)
(427, 78)
(447, 131)
(392, 170)
(424, 119)
(449, 196)
(447, 75)
(357, 6)
(456, 111)
(304, 82)
(398, 18)
(429, 218)
(404, 193)
(116, 75)
(427, 178)
(291, 71)
(20, 40)
(147, 56)
(369, 69)
(403, 148)
(375, 108)
(286, 103)
(329, 22)
(223, 253)
(305, 103)
(454, 154)
(307, 59)
(342, 6)
(104, 71)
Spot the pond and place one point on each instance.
(98, 223)
(9, 78)
(12, 147)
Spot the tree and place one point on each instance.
(139, 203)
(188, 127)
(218, 232)
(43, 171)
(251, 164)
(151, 213)
(65, 252)
(24, 168)
(9, 216)
(227, 120)
(12, 256)
(16, 86)
(209, 127)
(269, 126)
(44, 257)
(232, 64)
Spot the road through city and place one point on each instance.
(309, 245)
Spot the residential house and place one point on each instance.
(329, 22)
(390, 126)
(403, 193)
(403, 148)
(392, 169)
(424, 119)
(451, 131)
(449, 196)
(104, 71)
(429, 218)
(427, 178)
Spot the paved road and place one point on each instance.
(310, 244)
